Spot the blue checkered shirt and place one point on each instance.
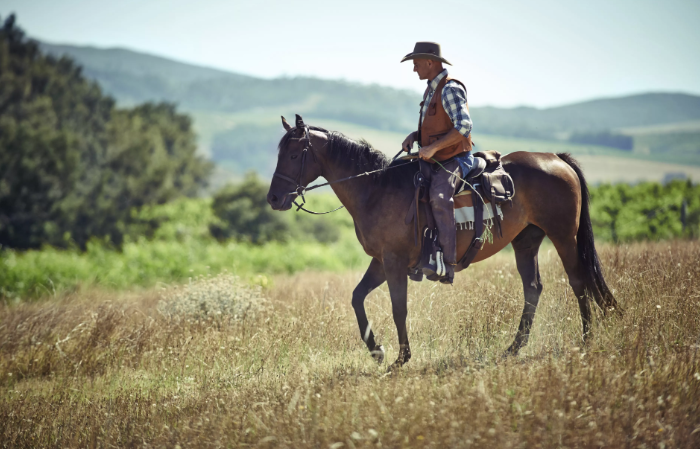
(454, 101)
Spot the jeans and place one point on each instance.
(466, 162)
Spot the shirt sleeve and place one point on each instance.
(454, 101)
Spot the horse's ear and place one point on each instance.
(286, 125)
(300, 121)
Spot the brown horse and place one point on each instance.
(551, 200)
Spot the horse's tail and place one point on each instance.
(593, 272)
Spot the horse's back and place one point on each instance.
(547, 194)
(547, 188)
(541, 165)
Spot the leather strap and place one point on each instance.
(414, 209)
(420, 116)
(478, 241)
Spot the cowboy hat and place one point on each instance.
(426, 50)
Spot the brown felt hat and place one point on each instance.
(426, 50)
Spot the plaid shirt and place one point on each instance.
(454, 101)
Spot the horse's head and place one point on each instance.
(297, 163)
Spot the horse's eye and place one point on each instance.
(294, 156)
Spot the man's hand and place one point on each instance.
(408, 142)
(427, 152)
(451, 138)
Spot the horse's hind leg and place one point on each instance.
(373, 278)
(568, 253)
(526, 246)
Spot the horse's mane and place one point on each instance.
(346, 151)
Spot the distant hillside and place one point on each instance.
(595, 115)
(237, 116)
(127, 62)
(133, 77)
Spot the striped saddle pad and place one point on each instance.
(464, 211)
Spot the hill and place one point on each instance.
(133, 77)
(651, 109)
(237, 116)
(121, 72)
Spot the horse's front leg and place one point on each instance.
(373, 278)
(395, 269)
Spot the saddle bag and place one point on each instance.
(496, 184)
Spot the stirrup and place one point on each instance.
(435, 269)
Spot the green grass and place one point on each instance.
(144, 263)
(181, 248)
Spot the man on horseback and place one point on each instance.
(443, 135)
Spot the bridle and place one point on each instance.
(301, 189)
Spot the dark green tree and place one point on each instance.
(646, 211)
(245, 214)
(72, 166)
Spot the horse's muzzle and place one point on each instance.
(280, 203)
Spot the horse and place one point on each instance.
(551, 200)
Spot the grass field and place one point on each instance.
(285, 367)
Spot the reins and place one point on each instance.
(301, 189)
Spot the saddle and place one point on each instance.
(486, 181)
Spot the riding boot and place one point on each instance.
(447, 235)
(442, 204)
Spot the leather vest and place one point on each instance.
(437, 123)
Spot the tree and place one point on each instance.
(72, 166)
(245, 214)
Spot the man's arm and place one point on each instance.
(409, 141)
(449, 139)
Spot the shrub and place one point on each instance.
(243, 214)
(207, 297)
(646, 211)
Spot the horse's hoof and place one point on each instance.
(512, 351)
(394, 367)
(404, 357)
(378, 354)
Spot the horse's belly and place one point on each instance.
(511, 226)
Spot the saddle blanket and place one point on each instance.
(464, 211)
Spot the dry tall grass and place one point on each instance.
(105, 370)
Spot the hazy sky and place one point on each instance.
(508, 53)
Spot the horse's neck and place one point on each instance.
(353, 193)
